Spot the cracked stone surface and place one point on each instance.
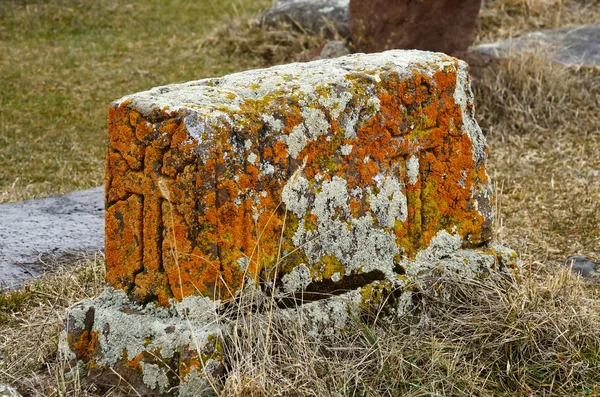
(359, 161)
(56, 225)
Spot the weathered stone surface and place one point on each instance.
(342, 166)
(7, 391)
(153, 348)
(53, 225)
(440, 25)
(311, 15)
(332, 187)
(578, 46)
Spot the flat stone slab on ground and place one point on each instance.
(578, 46)
(52, 225)
(313, 15)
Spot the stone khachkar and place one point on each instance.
(446, 26)
(335, 181)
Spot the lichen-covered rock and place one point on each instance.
(329, 188)
(313, 15)
(334, 170)
(153, 349)
(7, 391)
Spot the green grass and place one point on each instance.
(64, 61)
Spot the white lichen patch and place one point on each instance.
(349, 124)
(196, 384)
(326, 317)
(296, 141)
(412, 169)
(389, 204)
(336, 102)
(297, 280)
(294, 196)
(463, 96)
(442, 245)
(315, 121)
(252, 158)
(346, 150)
(154, 377)
(275, 124)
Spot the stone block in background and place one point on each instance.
(312, 15)
(577, 46)
(446, 26)
(333, 186)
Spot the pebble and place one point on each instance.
(581, 265)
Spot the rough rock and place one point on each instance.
(578, 46)
(360, 161)
(332, 186)
(312, 15)
(7, 391)
(581, 265)
(446, 26)
(53, 225)
(153, 348)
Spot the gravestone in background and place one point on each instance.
(446, 26)
(335, 184)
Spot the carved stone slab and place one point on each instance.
(342, 166)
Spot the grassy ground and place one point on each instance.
(63, 61)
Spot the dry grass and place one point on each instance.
(540, 336)
(495, 336)
(500, 19)
(543, 128)
(262, 45)
(30, 321)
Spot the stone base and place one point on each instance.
(181, 350)
(112, 340)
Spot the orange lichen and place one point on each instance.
(192, 217)
(83, 345)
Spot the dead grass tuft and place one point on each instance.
(264, 45)
(501, 19)
(543, 128)
(493, 336)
